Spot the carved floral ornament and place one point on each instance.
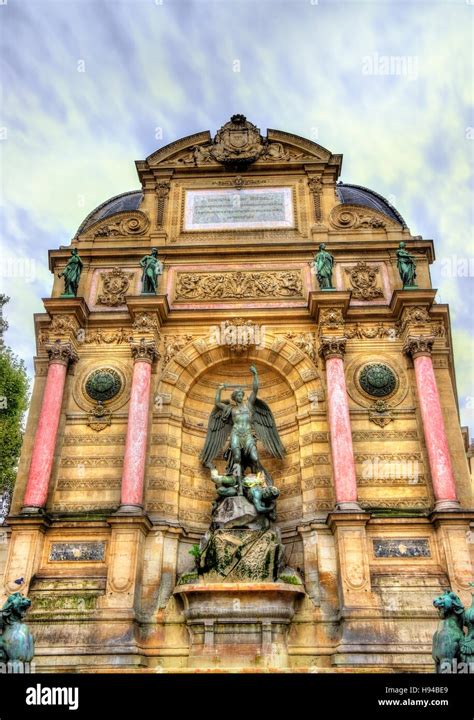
(129, 223)
(332, 318)
(355, 217)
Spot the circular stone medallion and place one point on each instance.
(103, 384)
(377, 380)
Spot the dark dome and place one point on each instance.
(125, 201)
(358, 195)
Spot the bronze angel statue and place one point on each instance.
(243, 421)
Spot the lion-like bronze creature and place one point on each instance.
(16, 641)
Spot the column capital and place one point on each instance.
(332, 347)
(416, 345)
(144, 351)
(61, 353)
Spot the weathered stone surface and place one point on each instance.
(235, 512)
(238, 555)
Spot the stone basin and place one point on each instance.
(233, 624)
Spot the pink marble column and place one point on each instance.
(436, 441)
(133, 475)
(36, 493)
(343, 466)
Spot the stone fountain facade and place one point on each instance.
(375, 508)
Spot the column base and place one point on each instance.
(349, 506)
(32, 510)
(446, 505)
(130, 510)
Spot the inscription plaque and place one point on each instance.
(238, 209)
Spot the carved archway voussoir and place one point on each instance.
(298, 371)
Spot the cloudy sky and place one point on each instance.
(89, 86)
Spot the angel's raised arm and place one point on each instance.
(253, 394)
(217, 400)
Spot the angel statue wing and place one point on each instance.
(266, 430)
(218, 431)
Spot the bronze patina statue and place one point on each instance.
(72, 274)
(406, 265)
(152, 270)
(16, 641)
(323, 266)
(244, 421)
(453, 649)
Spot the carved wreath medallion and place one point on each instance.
(377, 380)
(103, 384)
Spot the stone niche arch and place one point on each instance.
(178, 488)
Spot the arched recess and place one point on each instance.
(179, 489)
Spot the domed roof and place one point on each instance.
(347, 194)
(125, 201)
(358, 195)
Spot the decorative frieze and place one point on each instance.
(372, 435)
(91, 461)
(78, 440)
(251, 285)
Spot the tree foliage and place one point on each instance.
(13, 404)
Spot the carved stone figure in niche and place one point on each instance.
(152, 270)
(323, 266)
(406, 265)
(71, 274)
